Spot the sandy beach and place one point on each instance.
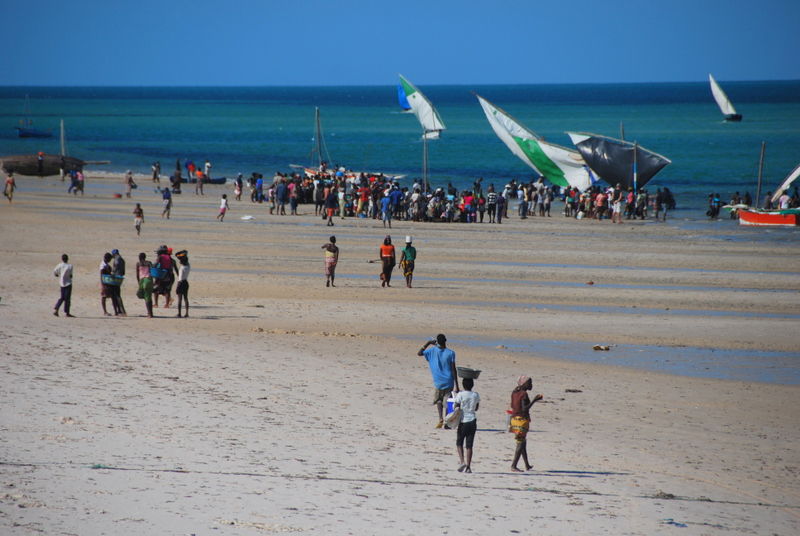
(281, 405)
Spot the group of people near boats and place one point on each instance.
(375, 196)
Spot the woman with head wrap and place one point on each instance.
(521, 419)
(331, 260)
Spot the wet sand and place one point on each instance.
(285, 406)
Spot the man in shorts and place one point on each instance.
(442, 363)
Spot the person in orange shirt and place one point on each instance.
(387, 260)
(198, 186)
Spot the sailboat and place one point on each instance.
(560, 165)
(617, 161)
(724, 103)
(432, 124)
(44, 165)
(320, 156)
(780, 218)
(26, 130)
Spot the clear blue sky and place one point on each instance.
(349, 42)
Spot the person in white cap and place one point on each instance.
(407, 257)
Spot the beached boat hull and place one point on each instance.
(28, 164)
(33, 133)
(768, 218)
(220, 180)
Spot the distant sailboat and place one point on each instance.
(724, 103)
(617, 161)
(26, 130)
(432, 124)
(560, 165)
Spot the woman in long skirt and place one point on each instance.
(387, 260)
(331, 260)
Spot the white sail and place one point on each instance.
(722, 99)
(559, 165)
(426, 114)
(786, 183)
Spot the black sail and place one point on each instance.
(613, 160)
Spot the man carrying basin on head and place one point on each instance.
(442, 362)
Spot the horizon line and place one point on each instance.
(211, 86)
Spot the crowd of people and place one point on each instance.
(375, 196)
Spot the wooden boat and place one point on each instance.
(45, 165)
(780, 218)
(26, 130)
(216, 180)
(49, 164)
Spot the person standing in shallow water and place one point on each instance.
(331, 260)
(388, 260)
(408, 255)
(521, 419)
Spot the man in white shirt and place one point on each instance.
(468, 401)
(784, 200)
(64, 274)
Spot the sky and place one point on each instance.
(353, 42)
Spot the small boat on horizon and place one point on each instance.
(724, 103)
(26, 129)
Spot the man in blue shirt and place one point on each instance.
(386, 211)
(442, 362)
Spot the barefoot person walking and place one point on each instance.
(521, 419)
(138, 218)
(442, 363)
(145, 280)
(468, 401)
(331, 260)
(182, 290)
(64, 274)
(407, 257)
(387, 254)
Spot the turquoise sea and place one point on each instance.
(265, 129)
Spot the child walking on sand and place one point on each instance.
(468, 401)
(521, 419)
(223, 207)
(138, 218)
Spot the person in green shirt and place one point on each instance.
(407, 257)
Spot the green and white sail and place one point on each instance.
(560, 165)
(427, 115)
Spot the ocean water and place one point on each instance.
(266, 129)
